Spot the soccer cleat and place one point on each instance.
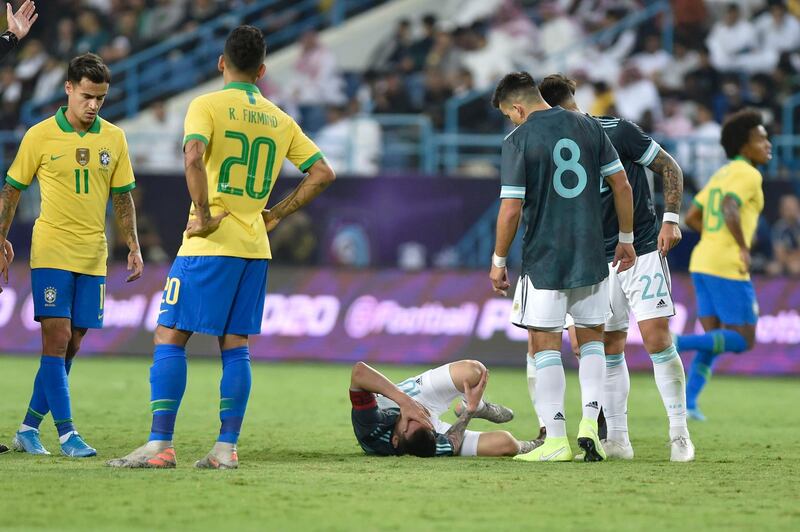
(490, 412)
(552, 450)
(617, 449)
(3, 449)
(696, 414)
(154, 455)
(222, 456)
(681, 449)
(589, 441)
(28, 442)
(528, 446)
(75, 447)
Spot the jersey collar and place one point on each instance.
(241, 85)
(66, 127)
(743, 159)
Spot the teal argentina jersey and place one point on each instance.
(557, 162)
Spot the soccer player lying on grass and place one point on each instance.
(404, 418)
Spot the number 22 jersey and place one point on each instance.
(247, 138)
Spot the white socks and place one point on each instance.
(25, 428)
(671, 382)
(532, 385)
(64, 437)
(592, 377)
(550, 388)
(615, 398)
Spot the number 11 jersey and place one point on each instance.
(247, 138)
(556, 161)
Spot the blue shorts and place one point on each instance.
(215, 295)
(732, 302)
(65, 294)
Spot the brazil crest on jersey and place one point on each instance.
(556, 161)
(247, 138)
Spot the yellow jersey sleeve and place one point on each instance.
(122, 179)
(744, 186)
(303, 153)
(199, 122)
(26, 163)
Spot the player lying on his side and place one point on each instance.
(404, 418)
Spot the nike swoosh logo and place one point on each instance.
(53, 157)
(163, 311)
(555, 453)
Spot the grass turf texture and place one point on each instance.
(301, 468)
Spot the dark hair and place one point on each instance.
(88, 66)
(245, 49)
(515, 85)
(736, 130)
(557, 89)
(421, 443)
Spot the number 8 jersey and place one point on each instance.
(76, 172)
(717, 253)
(247, 138)
(557, 161)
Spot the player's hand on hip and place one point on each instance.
(135, 265)
(744, 255)
(412, 410)
(8, 249)
(669, 237)
(473, 395)
(202, 227)
(625, 257)
(20, 23)
(270, 220)
(499, 277)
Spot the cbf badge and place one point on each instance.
(50, 294)
(105, 158)
(82, 156)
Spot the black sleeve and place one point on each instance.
(365, 407)
(8, 41)
(635, 145)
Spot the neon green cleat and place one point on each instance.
(552, 450)
(589, 441)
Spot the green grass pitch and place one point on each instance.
(302, 470)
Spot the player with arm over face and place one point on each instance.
(235, 143)
(557, 162)
(725, 213)
(643, 289)
(79, 159)
(404, 418)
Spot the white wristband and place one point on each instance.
(625, 238)
(672, 217)
(498, 262)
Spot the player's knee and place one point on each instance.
(57, 340)
(475, 370)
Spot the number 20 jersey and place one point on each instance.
(556, 161)
(247, 138)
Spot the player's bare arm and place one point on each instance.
(319, 177)
(201, 223)
(625, 255)
(20, 23)
(368, 379)
(672, 176)
(730, 212)
(508, 219)
(694, 218)
(9, 198)
(125, 212)
(473, 396)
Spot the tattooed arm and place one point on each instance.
(473, 396)
(320, 175)
(672, 177)
(125, 212)
(9, 198)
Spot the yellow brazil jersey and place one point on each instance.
(247, 138)
(717, 253)
(76, 172)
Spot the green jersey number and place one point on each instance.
(568, 165)
(78, 181)
(712, 214)
(250, 153)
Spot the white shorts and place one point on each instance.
(645, 289)
(435, 390)
(547, 309)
